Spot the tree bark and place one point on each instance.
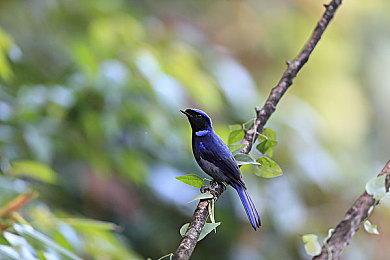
(351, 222)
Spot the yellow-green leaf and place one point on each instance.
(267, 141)
(5, 44)
(371, 228)
(312, 246)
(267, 146)
(91, 224)
(34, 170)
(236, 136)
(192, 180)
(235, 127)
(269, 133)
(236, 148)
(376, 187)
(267, 168)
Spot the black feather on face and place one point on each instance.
(199, 120)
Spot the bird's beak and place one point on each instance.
(184, 112)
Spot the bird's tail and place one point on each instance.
(250, 208)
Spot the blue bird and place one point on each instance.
(215, 158)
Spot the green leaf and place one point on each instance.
(371, 228)
(183, 229)
(5, 67)
(235, 127)
(208, 227)
(203, 196)
(267, 146)
(376, 187)
(267, 141)
(236, 148)
(28, 231)
(267, 168)
(236, 136)
(312, 246)
(91, 223)
(34, 170)
(269, 133)
(192, 180)
(244, 159)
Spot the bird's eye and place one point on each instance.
(199, 116)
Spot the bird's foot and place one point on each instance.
(215, 188)
(205, 188)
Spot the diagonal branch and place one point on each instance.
(287, 79)
(199, 218)
(351, 222)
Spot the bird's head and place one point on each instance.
(199, 120)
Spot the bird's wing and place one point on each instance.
(224, 160)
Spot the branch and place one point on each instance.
(18, 202)
(287, 79)
(199, 218)
(351, 222)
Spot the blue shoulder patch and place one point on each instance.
(201, 146)
(202, 132)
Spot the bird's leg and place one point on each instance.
(215, 188)
(205, 188)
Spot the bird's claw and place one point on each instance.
(212, 188)
(205, 188)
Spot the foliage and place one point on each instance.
(202, 196)
(208, 227)
(263, 166)
(60, 237)
(370, 228)
(376, 187)
(33, 169)
(192, 180)
(312, 246)
(90, 93)
(267, 141)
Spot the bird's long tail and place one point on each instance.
(250, 208)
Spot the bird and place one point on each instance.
(214, 158)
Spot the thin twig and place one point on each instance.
(18, 202)
(190, 238)
(351, 222)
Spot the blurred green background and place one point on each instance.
(90, 93)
